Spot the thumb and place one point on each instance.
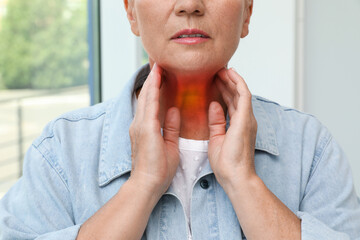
(171, 129)
(217, 121)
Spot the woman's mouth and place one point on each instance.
(190, 36)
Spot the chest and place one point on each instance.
(211, 215)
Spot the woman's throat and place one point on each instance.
(191, 101)
(193, 98)
(193, 108)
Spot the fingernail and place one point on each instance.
(232, 68)
(153, 68)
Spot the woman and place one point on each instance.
(203, 160)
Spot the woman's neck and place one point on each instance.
(192, 95)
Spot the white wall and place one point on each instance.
(332, 71)
(266, 57)
(118, 48)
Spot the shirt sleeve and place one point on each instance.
(330, 208)
(38, 206)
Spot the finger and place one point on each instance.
(171, 130)
(229, 99)
(241, 85)
(153, 96)
(152, 79)
(217, 121)
(243, 115)
(143, 91)
(224, 77)
(149, 100)
(244, 101)
(141, 101)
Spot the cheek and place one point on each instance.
(229, 26)
(145, 16)
(149, 16)
(230, 18)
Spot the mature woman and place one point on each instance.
(204, 159)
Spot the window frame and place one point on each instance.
(94, 41)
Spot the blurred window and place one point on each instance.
(43, 73)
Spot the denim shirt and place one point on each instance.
(83, 158)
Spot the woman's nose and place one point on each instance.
(189, 7)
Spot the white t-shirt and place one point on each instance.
(193, 158)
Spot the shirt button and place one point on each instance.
(204, 184)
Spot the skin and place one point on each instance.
(189, 88)
(189, 70)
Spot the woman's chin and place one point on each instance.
(192, 69)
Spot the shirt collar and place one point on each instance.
(115, 152)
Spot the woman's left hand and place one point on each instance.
(231, 152)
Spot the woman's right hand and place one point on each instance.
(155, 158)
(154, 162)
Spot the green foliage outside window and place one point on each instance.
(43, 44)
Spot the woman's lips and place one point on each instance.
(190, 36)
